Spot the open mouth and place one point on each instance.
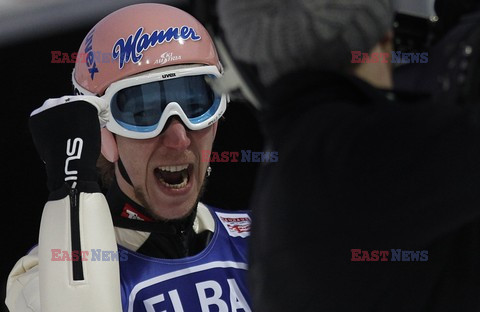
(175, 177)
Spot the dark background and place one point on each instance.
(29, 78)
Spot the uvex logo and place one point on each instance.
(90, 59)
(74, 151)
(171, 75)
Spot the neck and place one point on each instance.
(127, 213)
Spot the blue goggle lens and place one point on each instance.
(139, 108)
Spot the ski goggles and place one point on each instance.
(141, 106)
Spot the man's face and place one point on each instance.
(166, 171)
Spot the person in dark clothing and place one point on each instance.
(374, 203)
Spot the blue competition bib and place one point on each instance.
(213, 280)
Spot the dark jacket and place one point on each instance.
(360, 168)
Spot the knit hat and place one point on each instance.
(281, 36)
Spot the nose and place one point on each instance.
(175, 135)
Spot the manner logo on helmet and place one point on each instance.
(132, 48)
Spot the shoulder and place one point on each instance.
(237, 223)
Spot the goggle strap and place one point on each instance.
(123, 171)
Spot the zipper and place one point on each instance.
(181, 234)
(77, 267)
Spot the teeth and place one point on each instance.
(179, 185)
(183, 171)
(173, 168)
(175, 186)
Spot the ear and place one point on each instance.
(214, 128)
(109, 146)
